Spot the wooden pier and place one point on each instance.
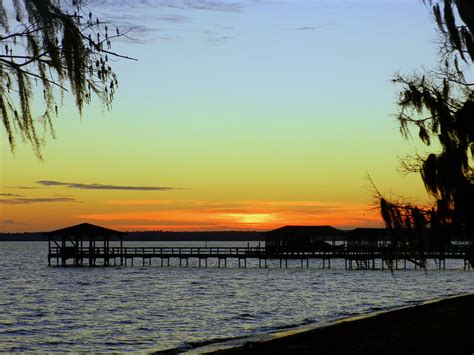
(90, 245)
(180, 256)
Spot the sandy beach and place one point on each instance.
(434, 327)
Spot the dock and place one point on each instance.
(89, 245)
(181, 256)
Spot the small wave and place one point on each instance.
(274, 328)
(125, 321)
(196, 344)
(22, 331)
(376, 308)
(245, 316)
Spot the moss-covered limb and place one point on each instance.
(439, 106)
(55, 46)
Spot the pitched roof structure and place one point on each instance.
(85, 230)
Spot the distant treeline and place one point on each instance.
(152, 236)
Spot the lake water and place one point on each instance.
(152, 308)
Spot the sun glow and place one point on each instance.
(250, 218)
(237, 215)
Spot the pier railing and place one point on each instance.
(252, 251)
(164, 251)
(367, 255)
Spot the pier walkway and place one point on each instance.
(87, 244)
(354, 258)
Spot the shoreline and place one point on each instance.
(435, 320)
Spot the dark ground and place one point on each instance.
(444, 327)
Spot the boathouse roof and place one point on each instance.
(305, 230)
(85, 230)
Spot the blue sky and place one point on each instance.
(239, 101)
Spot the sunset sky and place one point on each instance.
(239, 114)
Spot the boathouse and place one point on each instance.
(368, 237)
(83, 241)
(303, 238)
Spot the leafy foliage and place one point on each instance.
(439, 105)
(48, 45)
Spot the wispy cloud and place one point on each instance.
(208, 5)
(307, 28)
(23, 187)
(95, 186)
(173, 18)
(26, 200)
(137, 18)
(142, 28)
(152, 20)
(10, 222)
(217, 39)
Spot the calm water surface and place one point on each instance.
(152, 308)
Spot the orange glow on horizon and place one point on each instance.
(188, 215)
(139, 202)
(250, 215)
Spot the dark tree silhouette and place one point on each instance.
(48, 47)
(439, 106)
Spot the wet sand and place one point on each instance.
(439, 327)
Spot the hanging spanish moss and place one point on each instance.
(50, 47)
(439, 107)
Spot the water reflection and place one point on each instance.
(152, 308)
